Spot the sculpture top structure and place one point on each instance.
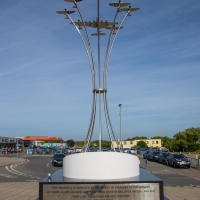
(100, 85)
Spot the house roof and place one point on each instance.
(45, 138)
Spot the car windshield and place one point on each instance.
(179, 156)
(59, 156)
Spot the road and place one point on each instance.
(35, 168)
(174, 176)
(20, 181)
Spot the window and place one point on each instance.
(124, 142)
(156, 142)
(152, 142)
(118, 143)
(131, 142)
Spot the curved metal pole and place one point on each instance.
(112, 131)
(85, 32)
(109, 125)
(99, 74)
(92, 120)
(91, 126)
(90, 61)
(107, 47)
(109, 53)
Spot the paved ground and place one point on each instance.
(29, 190)
(4, 161)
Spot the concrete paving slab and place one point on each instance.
(4, 161)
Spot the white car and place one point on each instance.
(133, 151)
(71, 150)
(78, 150)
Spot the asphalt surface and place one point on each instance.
(173, 176)
(32, 169)
(179, 183)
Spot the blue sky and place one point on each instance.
(45, 79)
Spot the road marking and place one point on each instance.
(11, 170)
(32, 180)
(8, 176)
(23, 173)
(48, 164)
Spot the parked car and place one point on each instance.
(153, 156)
(45, 150)
(163, 157)
(142, 151)
(57, 159)
(145, 155)
(178, 160)
(133, 151)
(78, 150)
(92, 149)
(71, 150)
(163, 149)
(126, 150)
(138, 150)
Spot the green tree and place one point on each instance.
(79, 143)
(166, 141)
(139, 138)
(141, 144)
(70, 143)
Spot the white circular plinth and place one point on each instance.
(100, 165)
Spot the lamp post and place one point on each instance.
(120, 114)
(100, 84)
(17, 148)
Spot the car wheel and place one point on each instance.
(174, 165)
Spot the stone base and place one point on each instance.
(146, 186)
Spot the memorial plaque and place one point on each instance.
(101, 191)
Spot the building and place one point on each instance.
(35, 141)
(133, 143)
(10, 141)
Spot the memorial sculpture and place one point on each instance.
(100, 175)
(112, 29)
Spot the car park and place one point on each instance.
(145, 155)
(163, 149)
(163, 157)
(57, 159)
(153, 156)
(142, 151)
(178, 160)
(92, 149)
(71, 150)
(62, 150)
(78, 150)
(126, 150)
(133, 151)
(138, 150)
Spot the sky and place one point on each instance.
(45, 78)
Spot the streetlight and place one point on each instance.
(120, 114)
(17, 148)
